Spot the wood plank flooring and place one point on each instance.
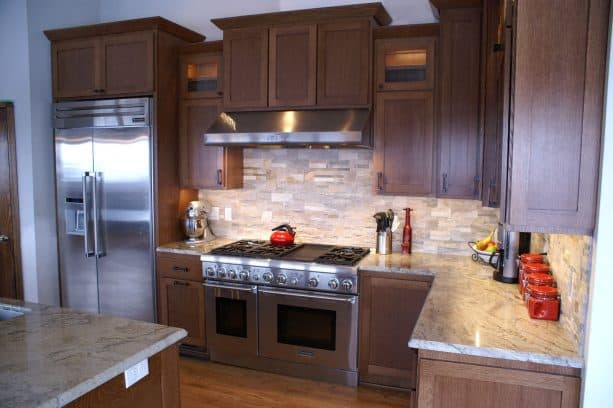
(206, 384)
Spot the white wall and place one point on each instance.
(598, 380)
(402, 11)
(15, 87)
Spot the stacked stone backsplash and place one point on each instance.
(570, 257)
(327, 194)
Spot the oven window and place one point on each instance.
(231, 317)
(302, 326)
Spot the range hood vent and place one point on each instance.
(306, 128)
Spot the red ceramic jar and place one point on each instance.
(538, 279)
(528, 269)
(543, 302)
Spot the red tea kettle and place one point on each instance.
(283, 235)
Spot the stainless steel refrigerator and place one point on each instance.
(103, 156)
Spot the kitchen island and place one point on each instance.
(53, 357)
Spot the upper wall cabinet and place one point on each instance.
(292, 65)
(558, 71)
(306, 58)
(404, 64)
(201, 75)
(107, 65)
(246, 68)
(459, 139)
(344, 67)
(113, 59)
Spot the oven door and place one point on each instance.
(231, 319)
(309, 327)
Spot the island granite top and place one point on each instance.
(50, 356)
(466, 311)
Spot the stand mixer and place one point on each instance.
(195, 222)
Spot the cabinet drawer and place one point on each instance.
(186, 267)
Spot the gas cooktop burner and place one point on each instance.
(343, 256)
(322, 254)
(254, 249)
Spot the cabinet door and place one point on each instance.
(128, 63)
(200, 76)
(560, 55)
(459, 141)
(404, 143)
(292, 66)
(206, 166)
(182, 305)
(76, 68)
(404, 63)
(245, 53)
(448, 384)
(389, 309)
(343, 63)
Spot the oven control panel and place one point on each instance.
(290, 278)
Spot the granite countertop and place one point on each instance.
(50, 356)
(466, 311)
(193, 248)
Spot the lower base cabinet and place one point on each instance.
(158, 389)
(470, 382)
(389, 307)
(181, 296)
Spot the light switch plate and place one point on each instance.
(135, 373)
(228, 214)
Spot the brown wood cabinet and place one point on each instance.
(344, 68)
(389, 307)
(181, 296)
(245, 68)
(104, 66)
(211, 167)
(201, 72)
(292, 65)
(557, 88)
(158, 389)
(404, 143)
(405, 63)
(469, 382)
(459, 138)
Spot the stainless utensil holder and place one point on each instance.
(384, 242)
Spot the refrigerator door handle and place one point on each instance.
(86, 212)
(98, 246)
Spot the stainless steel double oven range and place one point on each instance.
(291, 310)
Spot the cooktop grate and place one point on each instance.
(254, 249)
(343, 256)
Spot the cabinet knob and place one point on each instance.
(220, 93)
(380, 86)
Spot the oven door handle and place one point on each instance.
(349, 299)
(252, 289)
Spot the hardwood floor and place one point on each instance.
(215, 385)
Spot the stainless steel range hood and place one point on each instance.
(306, 128)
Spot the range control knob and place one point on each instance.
(293, 281)
(333, 284)
(267, 276)
(281, 279)
(244, 274)
(221, 272)
(313, 282)
(347, 285)
(210, 271)
(232, 274)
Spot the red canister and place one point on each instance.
(532, 258)
(543, 302)
(538, 279)
(528, 269)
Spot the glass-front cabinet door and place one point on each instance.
(405, 63)
(201, 75)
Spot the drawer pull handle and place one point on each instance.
(180, 268)
(179, 283)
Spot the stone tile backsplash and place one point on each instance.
(570, 257)
(327, 194)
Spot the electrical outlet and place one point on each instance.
(214, 215)
(228, 214)
(135, 373)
